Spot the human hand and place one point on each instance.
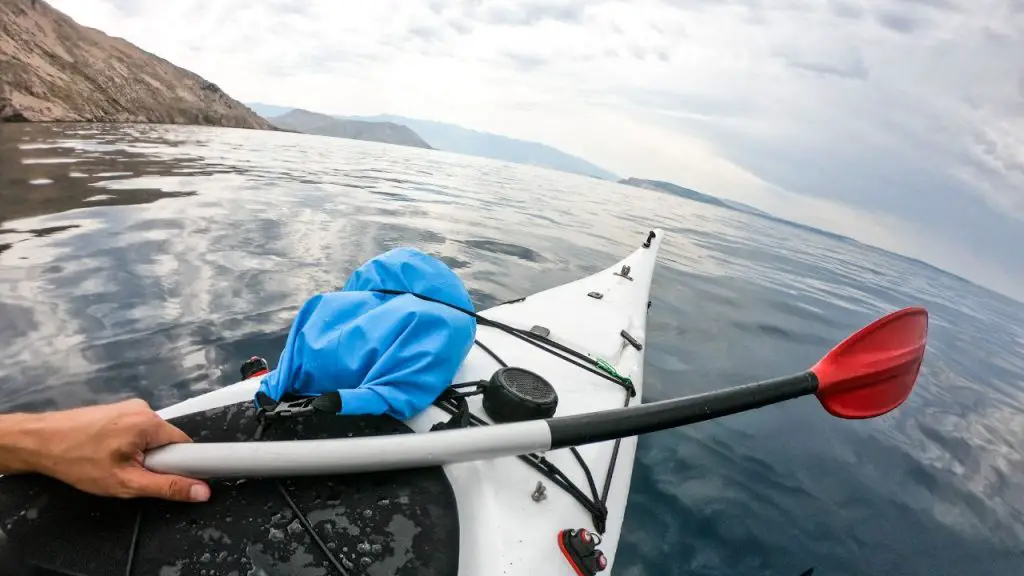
(100, 449)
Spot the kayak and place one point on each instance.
(570, 350)
(521, 465)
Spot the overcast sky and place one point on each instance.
(899, 122)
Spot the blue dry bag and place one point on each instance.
(383, 354)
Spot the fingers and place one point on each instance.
(159, 433)
(133, 404)
(141, 482)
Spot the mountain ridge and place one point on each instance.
(455, 138)
(323, 125)
(461, 140)
(676, 190)
(690, 194)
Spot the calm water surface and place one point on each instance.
(149, 261)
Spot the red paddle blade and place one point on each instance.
(873, 371)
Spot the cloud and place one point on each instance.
(899, 20)
(852, 67)
(525, 13)
(426, 33)
(911, 110)
(525, 62)
(846, 9)
(947, 5)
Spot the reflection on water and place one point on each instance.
(149, 260)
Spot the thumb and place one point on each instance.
(142, 482)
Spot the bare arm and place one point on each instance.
(16, 443)
(98, 449)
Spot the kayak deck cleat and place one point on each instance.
(650, 237)
(540, 492)
(580, 549)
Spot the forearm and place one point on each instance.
(19, 442)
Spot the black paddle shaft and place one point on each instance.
(634, 420)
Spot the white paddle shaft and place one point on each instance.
(348, 455)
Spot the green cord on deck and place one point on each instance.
(607, 367)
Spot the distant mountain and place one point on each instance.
(746, 208)
(268, 110)
(729, 204)
(54, 70)
(454, 138)
(324, 125)
(677, 190)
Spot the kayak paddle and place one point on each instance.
(867, 375)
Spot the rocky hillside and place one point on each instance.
(324, 125)
(53, 69)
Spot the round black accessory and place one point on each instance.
(514, 395)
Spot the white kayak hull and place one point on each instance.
(503, 530)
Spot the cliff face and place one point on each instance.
(53, 69)
(324, 125)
